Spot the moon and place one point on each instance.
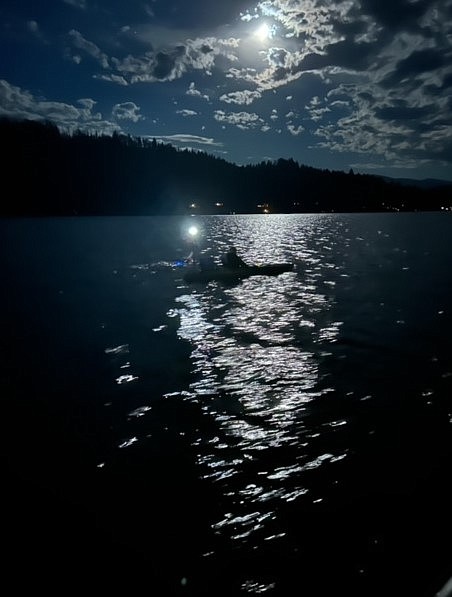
(263, 32)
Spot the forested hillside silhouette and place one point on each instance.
(50, 173)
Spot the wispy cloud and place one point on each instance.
(186, 112)
(149, 10)
(89, 48)
(33, 27)
(184, 138)
(118, 80)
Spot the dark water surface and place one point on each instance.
(284, 435)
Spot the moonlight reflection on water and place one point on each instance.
(255, 352)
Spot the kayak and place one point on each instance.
(227, 274)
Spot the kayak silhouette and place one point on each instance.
(227, 274)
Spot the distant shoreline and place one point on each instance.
(180, 215)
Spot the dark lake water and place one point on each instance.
(285, 435)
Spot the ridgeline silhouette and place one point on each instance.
(50, 173)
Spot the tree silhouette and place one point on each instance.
(54, 173)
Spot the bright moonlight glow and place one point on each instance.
(263, 32)
(192, 231)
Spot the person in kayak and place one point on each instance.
(232, 260)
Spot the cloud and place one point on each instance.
(247, 73)
(247, 17)
(88, 104)
(242, 120)
(89, 48)
(127, 111)
(171, 63)
(202, 53)
(295, 130)
(183, 138)
(339, 104)
(395, 133)
(245, 97)
(195, 92)
(284, 67)
(418, 62)
(149, 10)
(187, 112)
(309, 20)
(33, 27)
(131, 66)
(276, 56)
(21, 104)
(118, 80)
(151, 67)
(315, 109)
(401, 112)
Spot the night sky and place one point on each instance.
(362, 84)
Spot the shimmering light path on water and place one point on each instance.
(256, 348)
